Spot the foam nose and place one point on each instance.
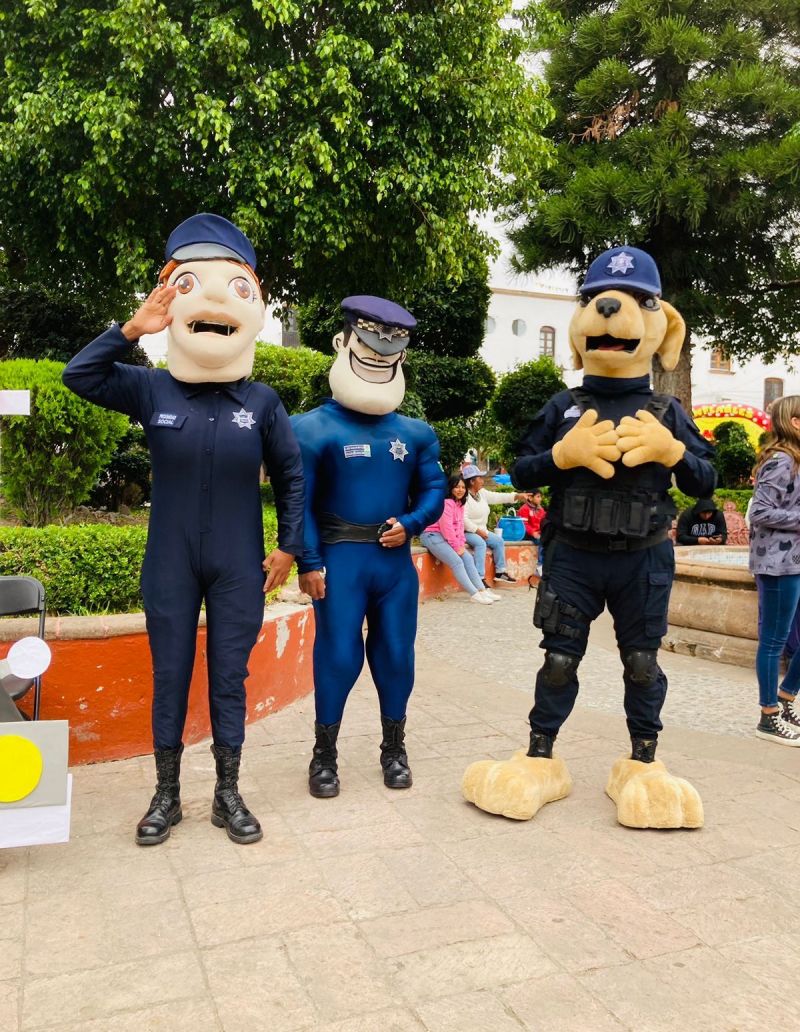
(607, 306)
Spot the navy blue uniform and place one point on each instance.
(206, 541)
(364, 469)
(634, 583)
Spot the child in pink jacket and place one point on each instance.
(445, 540)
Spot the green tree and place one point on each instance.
(448, 387)
(677, 129)
(518, 397)
(299, 375)
(734, 455)
(52, 457)
(350, 139)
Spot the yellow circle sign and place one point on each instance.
(20, 768)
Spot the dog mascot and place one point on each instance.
(373, 481)
(609, 449)
(209, 429)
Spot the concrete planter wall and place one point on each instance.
(713, 609)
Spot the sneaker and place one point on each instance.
(481, 598)
(790, 711)
(774, 728)
(504, 575)
(494, 597)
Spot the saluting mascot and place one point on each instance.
(209, 429)
(609, 449)
(373, 481)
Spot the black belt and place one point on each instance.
(334, 529)
(595, 543)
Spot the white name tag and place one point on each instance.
(356, 451)
(166, 419)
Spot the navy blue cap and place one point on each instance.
(209, 236)
(623, 268)
(382, 325)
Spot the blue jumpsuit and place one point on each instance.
(365, 469)
(206, 541)
(634, 584)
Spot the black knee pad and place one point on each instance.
(558, 668)
(641, 666)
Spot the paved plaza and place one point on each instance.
(387, 911)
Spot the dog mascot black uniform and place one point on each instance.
(609, 449)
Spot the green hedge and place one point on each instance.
(87, 569)
(741, 496)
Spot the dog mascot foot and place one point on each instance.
(518, 787)
(648, 796)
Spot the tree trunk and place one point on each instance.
(678, 383)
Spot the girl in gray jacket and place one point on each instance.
(775, 562)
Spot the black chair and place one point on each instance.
(20, 595)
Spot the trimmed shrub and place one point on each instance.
(52, 457)
(721, 495)
(519, 396)
(299, 375)
(449, 387)
(454, 439)
(126, 478)
(88, 569)
(734, 455)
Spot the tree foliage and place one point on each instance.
(449, 387)
(734, 455)
(299, 375)
(519, 396)
(677, 129)
(52, 457)
(349, 139)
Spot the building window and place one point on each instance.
(773, 389)
(290, 338)
(547, 341)
(489, 326)
(720, 362)
(518, 327)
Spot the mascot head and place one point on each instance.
(218, 311)
(621, 321)
(367, 374)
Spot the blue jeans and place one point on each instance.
(778, 599)
(478, 546)
(463, 566)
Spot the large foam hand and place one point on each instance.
(590, 444)
(643, 439)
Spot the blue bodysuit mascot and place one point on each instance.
(373, 481)
(209, 429)
(609, 449)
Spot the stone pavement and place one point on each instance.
(390, 911)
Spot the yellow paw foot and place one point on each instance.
(648, 796)
(518, 787)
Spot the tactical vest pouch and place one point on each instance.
(606, 515)
(637, 518)
(577, 509)
(545, 609)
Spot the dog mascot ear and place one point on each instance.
(670, 350)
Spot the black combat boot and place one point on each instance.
(396, 772)
(323, 773)
(165, 806)
(541, 745)
(228, 810)
(643, 749)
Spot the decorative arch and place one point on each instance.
(754, 420)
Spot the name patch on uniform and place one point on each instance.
(356, 451)
(168, 419)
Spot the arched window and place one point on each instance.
(773, 388)
(489, 326)
(547, 340)
(518, 327)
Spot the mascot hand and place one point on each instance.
(590, 444)
(153, 314)
(643, 439)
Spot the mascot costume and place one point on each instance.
(373, 481)
(209, 429)
(609, 449)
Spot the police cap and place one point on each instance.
(209, 236)
(623, 268)
(382, 325)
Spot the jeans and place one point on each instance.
(778, 599)
(463, 566)
(478, 546)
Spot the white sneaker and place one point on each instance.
(492, 596)
(481, 598)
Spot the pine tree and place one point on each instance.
(677, 130)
